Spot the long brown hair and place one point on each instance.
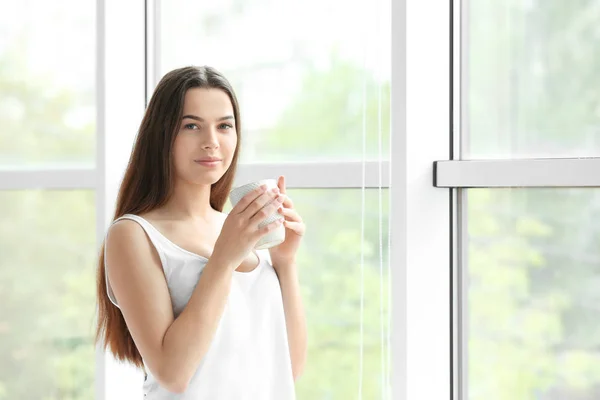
(148, 183)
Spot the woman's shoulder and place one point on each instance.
(128, 240)
(133, 229)
(124, 230)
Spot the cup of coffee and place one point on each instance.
(277, 235)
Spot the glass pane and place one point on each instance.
(47, 83)
(533, 73)
(299, 73)
(533, 294)
(47, 313)
(330, 265)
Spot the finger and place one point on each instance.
(268, 209)
(245, 201)
(269, 227)
(258, 203)
(290, 213)
(288, 202)
(296, 227)
(281, 184)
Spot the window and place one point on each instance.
(532, 294)
(524, 200)
(47, 73)
(47, 247)
(47, 204)
(530, 80)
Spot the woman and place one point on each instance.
(181, 293)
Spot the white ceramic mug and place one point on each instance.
(277, 235)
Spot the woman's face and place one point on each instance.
(206, 141)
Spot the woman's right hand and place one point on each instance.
(240, 231)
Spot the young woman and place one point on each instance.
(181, 292)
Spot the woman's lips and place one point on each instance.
(208, 162)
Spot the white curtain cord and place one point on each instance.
(388, 364)
(382, 286)
(362, 230)
(389, 264)
(380, 230)
(385, 323)
(389, 277)
(362, 221)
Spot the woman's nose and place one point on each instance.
(210, 140)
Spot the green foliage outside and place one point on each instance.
(533, 257)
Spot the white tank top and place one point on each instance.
(249, 357)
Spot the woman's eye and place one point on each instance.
(191, 126)
(225, 126)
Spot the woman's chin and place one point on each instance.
(208, 179)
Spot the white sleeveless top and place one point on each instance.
(249, 357)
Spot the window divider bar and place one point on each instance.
(513, 173)
(317, 174)
(81, 178)
(298, 176)
(151, 46)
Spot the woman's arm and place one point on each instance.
(295, 318)
(172, 348)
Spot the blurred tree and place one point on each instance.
(533, 293)
(41, 122)
(327, 113)
(47, 244)
(330, 263)
(47, 252)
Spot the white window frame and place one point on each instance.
(121, 85)
(421, 214)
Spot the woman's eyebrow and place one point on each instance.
(227, 117)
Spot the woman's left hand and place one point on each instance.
(285, 253)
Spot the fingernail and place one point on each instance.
(263, 187)
(280, 199)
